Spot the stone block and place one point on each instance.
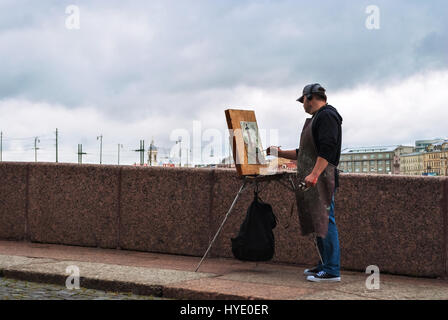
(74, 204)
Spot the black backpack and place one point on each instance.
(255, 241)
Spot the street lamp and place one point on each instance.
(36, 140)
(120, 146)
(101, 147)
(179, 141)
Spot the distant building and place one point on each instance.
(432, 161)
(376, 160)
(412, 163)
(152, 154)
(422, 145)
(436, 159)
(166, 161)
(438, 146)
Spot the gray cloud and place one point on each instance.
(142, 49)
(188, 60)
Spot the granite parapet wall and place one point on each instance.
(165, 210)
(398, 223)
(73, 204)
(395, 222)
(13, 200)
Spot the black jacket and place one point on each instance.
(327, 133)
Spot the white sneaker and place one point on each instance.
(322, 276)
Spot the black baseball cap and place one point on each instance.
(311, 88)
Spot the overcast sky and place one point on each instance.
(147, 70)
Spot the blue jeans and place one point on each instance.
(329, 247)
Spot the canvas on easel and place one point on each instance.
(246, 143)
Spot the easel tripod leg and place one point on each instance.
(317, 248)
(222, 224)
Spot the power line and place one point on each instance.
(27, 138)
(45, 143)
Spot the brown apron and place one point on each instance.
(314, 204)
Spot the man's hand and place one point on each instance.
(287, 154)
(311, 180)
(319, 167)
(273, 150)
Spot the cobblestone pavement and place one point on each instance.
(11, 289)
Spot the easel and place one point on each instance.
(250, 173)
(247, 180)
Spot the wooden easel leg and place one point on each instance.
(222, 224)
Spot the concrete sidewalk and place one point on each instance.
(172, 276)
